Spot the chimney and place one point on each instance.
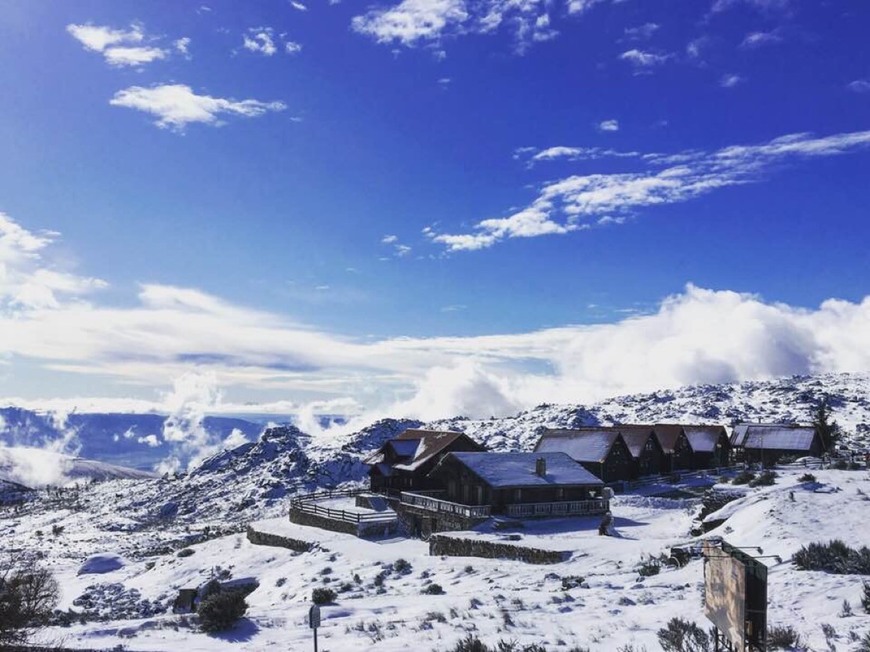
(541, 467)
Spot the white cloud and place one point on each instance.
(572, 203)
(29, 280)
(859, 86)
(411, 21)
(292, 47)
(119, 47)
(730, 80)
(641, 32)
(389, 239)
(608, 125)
(760, 39)
(761, 5)
(204, 347)
(182, 45)
(572, 153)
(298, 6)
(260, 40)
(643, 60)
(176, 105)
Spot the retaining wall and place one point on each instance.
(457, 547)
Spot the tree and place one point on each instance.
(27, 598)
(221, 610)
(828, 430)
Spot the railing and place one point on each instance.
(562, 508)
(427, 501)
(308, 504)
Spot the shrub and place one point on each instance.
(782, 638)
(764, 479)
(683, 636)
(185, 552)
(571, 582)
(865, 599)
(220, 611)
(402, 566)
(846, 609)
(833, 557)
(744, 477)
(840, 465)
(322, 595)
(864, 643)
(649, 567)
(807, 477)
(433, 589)
(27, 598)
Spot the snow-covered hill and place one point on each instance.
(35, 468)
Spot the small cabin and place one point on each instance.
(678, 453)
(404, 463)
(768, 442)
(646, 451)
(711, 446)
(601, 451)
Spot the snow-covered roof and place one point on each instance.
(668, 434)
(703, 438)
(582, 444)
(518, 469)
(774, 436)
(635, 437)
(404, 447)
(418, 447)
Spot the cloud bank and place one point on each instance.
(119, 47)
(207, 348)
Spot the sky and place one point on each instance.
(427, 208)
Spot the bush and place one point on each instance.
(840, 465)
(27, 598)
(782, 638)
(864, 643)
(807, 477)
(764, 479)
(683, 636)
(220, 611)
(401, 566)
(571, 582)
(433, 589)
(865, 599)
(744, 477)
(322, 595)
(649, 567)
(833, 557)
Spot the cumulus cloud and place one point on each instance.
(119, 47)
(260, 40)
(411, 21)
(641, 32)
(643, 60)
(572, 203)
(730, 80)
(608, 125)
(177, 105)
(859, 86)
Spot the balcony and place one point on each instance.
(564, 508)
(429, 501)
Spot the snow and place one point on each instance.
(104, 563)
(146, 522)
(518, 469)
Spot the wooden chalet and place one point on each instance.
(711, 446)
(647, 455)
(518, 485)
(404, 463)
(679, 455)
(768, 442)
(602, 451)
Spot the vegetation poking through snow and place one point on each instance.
(833, 557)
(221, 610)
(683, 636)
(783, 637)
(27, 598)
(322, 595)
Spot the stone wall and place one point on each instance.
(279, 541)
(457, 547)
(314, 520)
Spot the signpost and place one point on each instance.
(314, 621)
(735, 596)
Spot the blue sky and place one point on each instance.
(433, 206)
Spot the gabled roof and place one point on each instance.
(704, 438)
(581, 444)
(635, 437)
(418, 447)
(774, 436)
(668, 434)
(509, 470)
